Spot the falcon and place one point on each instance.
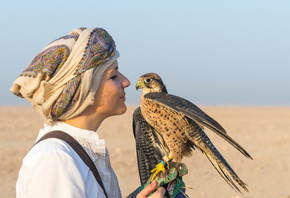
(167, 128)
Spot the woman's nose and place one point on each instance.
(125, 82)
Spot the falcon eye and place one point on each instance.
(147, 80)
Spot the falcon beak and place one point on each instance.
(139, 85)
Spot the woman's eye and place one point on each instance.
(114, 77)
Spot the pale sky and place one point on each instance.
(209, 52)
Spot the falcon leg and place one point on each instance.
(161, 166)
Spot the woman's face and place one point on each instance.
(110, 97)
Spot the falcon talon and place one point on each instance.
(159, 168)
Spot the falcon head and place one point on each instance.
(151, 82)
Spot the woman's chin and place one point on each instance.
(120, 111)
(123, 110)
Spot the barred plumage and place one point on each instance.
(166, 124)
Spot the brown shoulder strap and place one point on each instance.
(79, 150)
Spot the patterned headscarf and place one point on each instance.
(63, 78)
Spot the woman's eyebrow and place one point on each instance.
(112, 71)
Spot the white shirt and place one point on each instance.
(53, 169)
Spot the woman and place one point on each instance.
(74, 83)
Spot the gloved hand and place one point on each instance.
(175, 189)
(171, 179)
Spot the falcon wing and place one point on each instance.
(200, 140)
(150, 146)
(193, 112)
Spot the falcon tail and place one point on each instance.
(224, 170)
(202, 142)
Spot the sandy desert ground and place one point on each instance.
(263, 131)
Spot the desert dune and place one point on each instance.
(263, 131)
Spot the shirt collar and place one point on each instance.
(88, 139)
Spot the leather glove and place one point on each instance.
(171, 179)
(175, 189)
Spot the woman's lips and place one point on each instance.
(123, 97)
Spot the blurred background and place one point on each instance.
(210, 52)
